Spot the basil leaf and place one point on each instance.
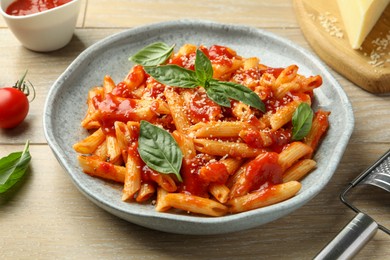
(13, 168)
(240, 93)
(218, 95)
(159, 150)
(173, 75)
(203, 68)
(302, 121)
(153, 54)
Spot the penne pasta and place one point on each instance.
(108, 84)
(319, 127)
(292, 153)
(132, 181)
(195, 204)
(175, 104)
(161, 204)
(217, 129)
(220, 192)
(146, 191)
(204, 147)
(264, 197)
(185, 143)
(93, 166)
(283, 115)
(89, 144)
(299, 170)
(221, 148)
(114, 151)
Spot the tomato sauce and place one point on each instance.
(202, 108)
(214, 172)
(27, 7)
(114, 109)
(264, 168)
(192, 182)
(220, 55)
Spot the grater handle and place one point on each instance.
(351, 239)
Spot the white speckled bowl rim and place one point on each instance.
(65, 107)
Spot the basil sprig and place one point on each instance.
(13, 168)
(159, 150)
(218, 91)
(302, 121)
(153, 54)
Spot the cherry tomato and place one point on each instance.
(14, 107)
(14, 104)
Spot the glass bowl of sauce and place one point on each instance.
(41, 25)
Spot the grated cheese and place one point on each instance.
(379, 54)
(330, 24)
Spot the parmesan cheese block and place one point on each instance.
(359, 17)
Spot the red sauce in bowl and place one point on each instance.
(26, 7)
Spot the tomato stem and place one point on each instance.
(25, 87)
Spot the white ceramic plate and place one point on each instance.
(65, 107)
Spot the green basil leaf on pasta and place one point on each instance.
(159, 150)
(240, 93)
(152, 55)
(203, 68)
(302, 121)
(218, 95)
(173, 75)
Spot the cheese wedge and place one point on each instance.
(359, 17)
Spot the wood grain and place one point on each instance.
(46, 217)
(359, 66)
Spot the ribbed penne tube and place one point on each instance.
(232, 164)
(310, 83)
(287, 75)
(217, 129)
(264, 197)
(165, 181)
(158, 106)
(91, 120)
(101, 151)
(114, 152)
(319, 127)
(285, 88)
(251, 63)
(123, 137)
(242, 111)
(299, 170)
(134, 78)
(219, 191)
(146, 191)
(93, 166)
(161, 204)
(292, 153)
(185, 143)
(108, 84)
(235, 177)
(195, 204)
(132, 181)
(221, 148)
(283, 115)
(89, 144)
(175, 103)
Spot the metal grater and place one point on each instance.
(362, 227)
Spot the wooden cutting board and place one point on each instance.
(369, 66)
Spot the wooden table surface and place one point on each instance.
(46, 217)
